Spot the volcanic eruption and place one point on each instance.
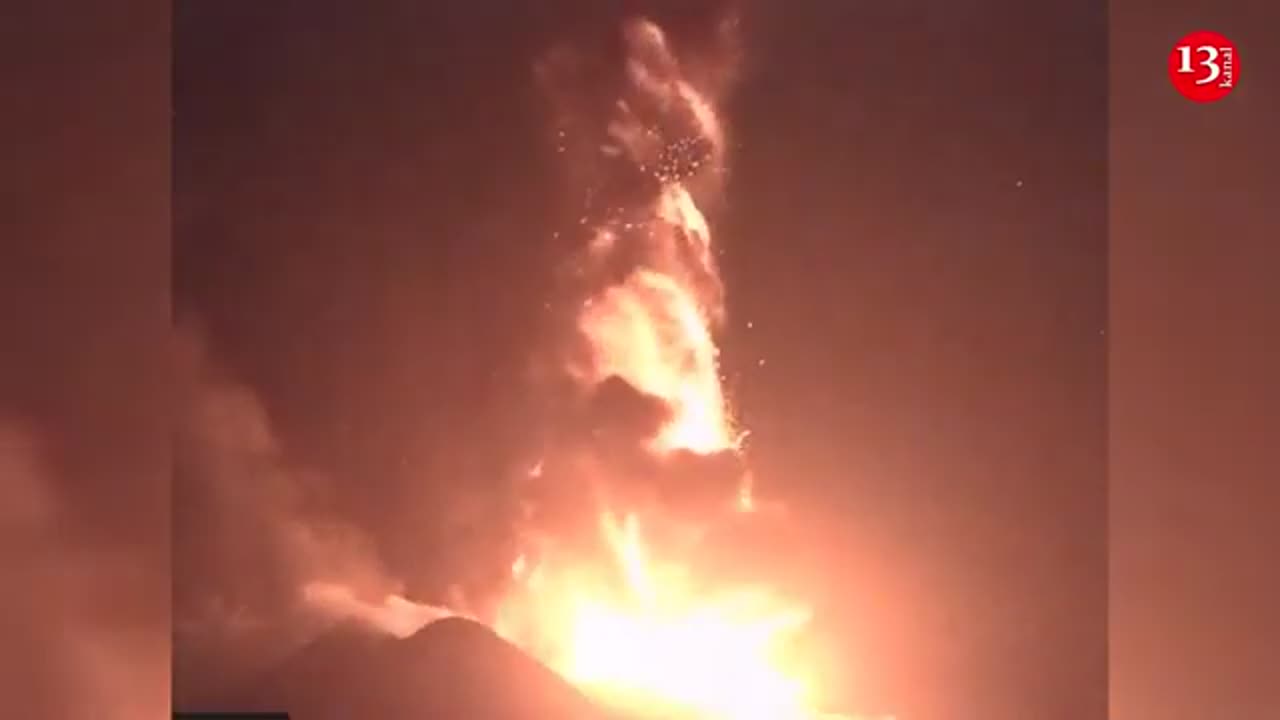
(612, 585)
(607, 590)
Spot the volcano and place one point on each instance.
(451, 668)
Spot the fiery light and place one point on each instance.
(644, 636)
(629, 616)
(625, 622)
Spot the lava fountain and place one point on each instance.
(616, 603)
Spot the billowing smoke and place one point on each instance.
(75, 644)
(645, 150)
(263, 566)
(628, 561)
(626, 106)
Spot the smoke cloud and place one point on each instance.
(262, 565)
(76, 646)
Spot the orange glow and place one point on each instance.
(641, 635)
(632, 622)
(629, 627)
(650, 332)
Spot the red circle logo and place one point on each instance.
(1204, 66)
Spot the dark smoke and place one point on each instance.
(586, 82)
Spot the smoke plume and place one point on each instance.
(75, 644)
(262, 565)
(644, 151)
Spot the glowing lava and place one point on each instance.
(644, 637)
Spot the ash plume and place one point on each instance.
(75, 647)
(644, 150)
(631, 104)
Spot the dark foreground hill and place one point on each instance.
(452, 668)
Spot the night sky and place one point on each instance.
(915, 227)
(362, 207)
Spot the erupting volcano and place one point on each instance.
(607, 590)
(618, 585)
